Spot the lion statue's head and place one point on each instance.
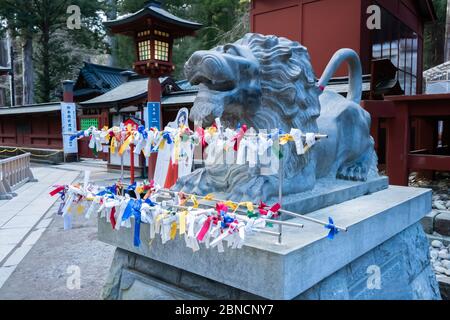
(265, 82)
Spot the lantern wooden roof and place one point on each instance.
(153, 15)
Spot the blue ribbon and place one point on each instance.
(150, 202)
(108, 190)
(137, 224)
(166, 135)
(333, 230)
(134, 209)
(141, 130)
(132, 187)
(79, 134)
(226, 220)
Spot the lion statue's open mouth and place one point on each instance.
(268, 82)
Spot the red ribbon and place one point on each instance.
(233, 226)
(201, 132)
(57, 190)
(112, 217)
(262, 208)
(237, 139)
(149, 186)
(274, 209)
(221, 207)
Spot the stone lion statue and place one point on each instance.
(268, 82)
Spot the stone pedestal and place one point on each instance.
(384, 255)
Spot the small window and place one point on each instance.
(88, 122)
(143, 33)
(144, 50)
(161, 34)
(161, 50)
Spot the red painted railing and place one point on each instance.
(399, 113)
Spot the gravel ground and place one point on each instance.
(43, 274)
(439, 254)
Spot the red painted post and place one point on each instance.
(398, 145)
(68, 91)
(426, 134)
(154, 95)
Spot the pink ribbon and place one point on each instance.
(237, 139)
(204, 229)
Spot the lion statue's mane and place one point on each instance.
(267, 82)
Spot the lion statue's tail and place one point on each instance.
(355, 73)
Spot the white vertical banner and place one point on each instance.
(69, 127)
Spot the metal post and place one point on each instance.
(132, 163)
(280, 191)
(12, 85)
(121, 168)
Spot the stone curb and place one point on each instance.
(442, 223)
(437, 222)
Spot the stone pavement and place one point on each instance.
(23, 219)
(36, 253)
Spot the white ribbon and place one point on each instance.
(298, 138)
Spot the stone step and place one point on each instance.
(444, 286)
(437, 222)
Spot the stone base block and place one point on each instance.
(395, 270)
(384, 255)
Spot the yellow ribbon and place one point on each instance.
(162, 144)
(140, 189)
(177, 148)
(286, 138)
(182, 222)
(173, 231)
(231, 205)
(211, 130)
(125, 145)
(194, 200)
(209, 197)
(80, 209)
(113, 145)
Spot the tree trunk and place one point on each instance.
(111, 39)
(45, 61)
(28, 70)
(3, 63)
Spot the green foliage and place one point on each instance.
(223, 21)
(59, 52)
(434, 36)
(46, 22)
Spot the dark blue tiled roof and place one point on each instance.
(98, 79)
